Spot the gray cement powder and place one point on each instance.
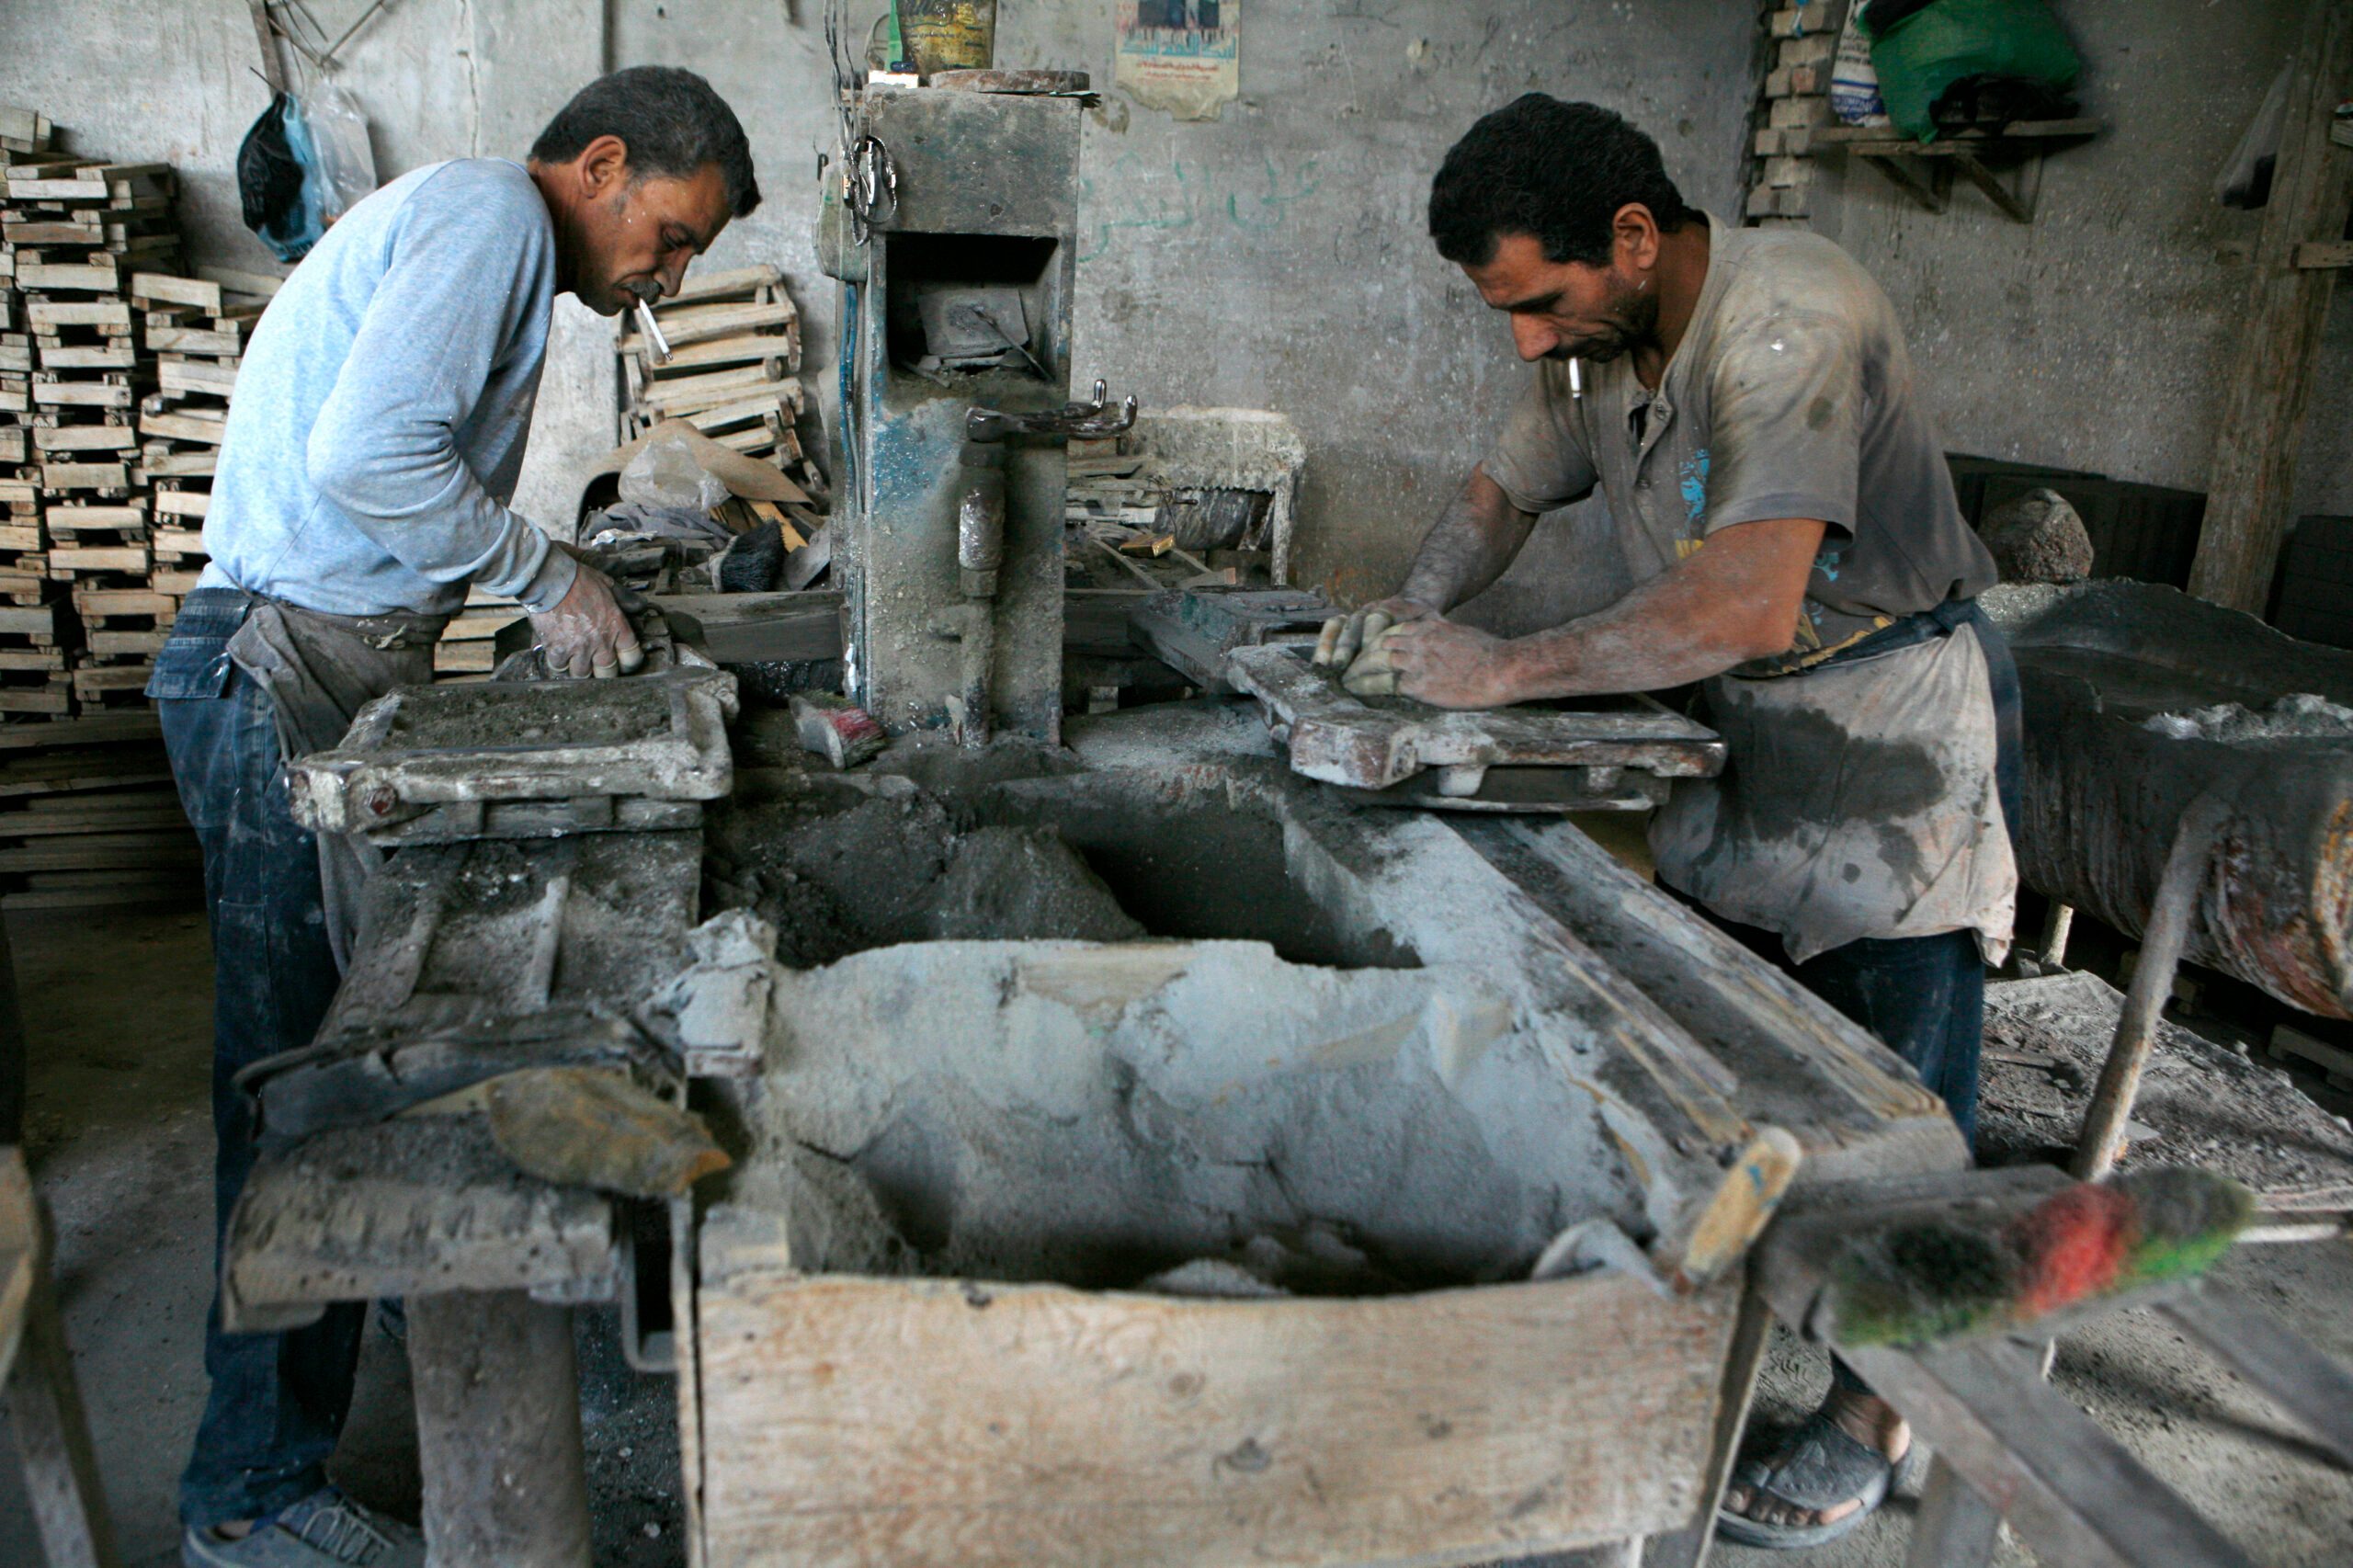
(835, 877)
(1196, 1117)
(2302, 716)
(1102, 1116)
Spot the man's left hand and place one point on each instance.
(1442, 662)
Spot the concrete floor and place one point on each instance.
(117, 1010)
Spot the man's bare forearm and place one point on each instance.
(1738, 600)
(1476, 537)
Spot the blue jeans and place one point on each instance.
(277, 1400)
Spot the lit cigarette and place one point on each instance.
(1576, 376)
(661, 344)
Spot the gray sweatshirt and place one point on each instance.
(382, 405)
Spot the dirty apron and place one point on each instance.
(319, 671)
(1859, 797)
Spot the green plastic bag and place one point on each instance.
(1929, 51)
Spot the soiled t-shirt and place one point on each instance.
(1857, 799)
(1791, 395)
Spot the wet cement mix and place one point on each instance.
(1192, 1117)
(2045, 1041)
(836, 872)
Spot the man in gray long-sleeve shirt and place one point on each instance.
(377, 432)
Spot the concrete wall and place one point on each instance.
(2103, 336)
(1274, 258)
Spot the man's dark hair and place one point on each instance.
(1556, 171)
(671, 121)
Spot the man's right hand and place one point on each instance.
(1346, 636)
(585, 635)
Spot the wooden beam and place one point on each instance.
(2298, 1378)
(1955, 1528)
(1901, 178)
(2260, 432)
(266, 34)
(2070, 1491)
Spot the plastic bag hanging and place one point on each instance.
(273, 178)
(344, 169)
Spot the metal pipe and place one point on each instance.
(2056, 928)
(2136, 1024)
(498, 1431)
(980, 556)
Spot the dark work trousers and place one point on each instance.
(279, 1400)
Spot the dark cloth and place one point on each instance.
(243, 684)
(1923, 997)
(319, 670)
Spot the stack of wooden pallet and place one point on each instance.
(734, 372)
(468, 649)
(74, 230)
(194, 329)
(1797, 105)
(88, 815)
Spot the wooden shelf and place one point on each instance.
(1963, 153)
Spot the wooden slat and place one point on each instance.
(711, 284)
(932, 1422)
(1955, 1528)
(2308, 1385)
(261, 285)
(2070, 1491)
(2259, 434)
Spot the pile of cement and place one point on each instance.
(2302, 716)
(2045, 1041)
(836, 872)
(1190, 1118)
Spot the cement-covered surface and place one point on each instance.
(120, 1145)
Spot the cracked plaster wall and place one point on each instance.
(2103, 335)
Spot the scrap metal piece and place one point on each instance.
(359, 1080)
(1340, 738)
(415, 1204)
(1193, 632)
(597, 1128)
(438, 763)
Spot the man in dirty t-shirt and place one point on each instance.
(1744, 401)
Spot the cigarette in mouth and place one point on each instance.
(661, 344)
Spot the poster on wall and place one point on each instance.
(1184, 56)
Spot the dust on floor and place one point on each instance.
(119, 1015)
(118, 1130)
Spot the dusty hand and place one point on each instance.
(1346, 636)
(586, 635)
(1437, 662)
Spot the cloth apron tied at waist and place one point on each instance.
(1864, 795)
(319, 671)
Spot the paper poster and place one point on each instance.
(1181, 55)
